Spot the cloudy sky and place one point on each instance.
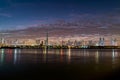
(19, 14)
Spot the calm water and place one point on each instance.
(76, 64)
(68, 56)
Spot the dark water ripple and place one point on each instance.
(57, 64)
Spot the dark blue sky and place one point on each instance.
(16, 14)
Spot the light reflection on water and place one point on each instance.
(97, 57)
(70, 56)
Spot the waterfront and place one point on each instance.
(59, 63)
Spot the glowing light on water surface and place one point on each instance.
(97, 57)
(61, 52)
(69, 55)
(57, 52)
(2, 55)
(61, 55)
(2, 51)
(15, 55)
(44, 54)
(113, 55)
(45, 51)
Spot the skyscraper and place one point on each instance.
(113, 42)
(101, 41)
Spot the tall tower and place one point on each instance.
(15, 42)
(103, 42)
(2, 40)
(46, 42)
(100, 41)
(115, 40)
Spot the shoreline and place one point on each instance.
(60, 47)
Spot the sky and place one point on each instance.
(20, 14)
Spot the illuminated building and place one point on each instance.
(113, 42)
(90, 43)
(75, 43)
(101, 41)
(37, 41)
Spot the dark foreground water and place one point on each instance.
(60, 64)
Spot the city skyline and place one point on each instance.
(60, 39)
(63, 18)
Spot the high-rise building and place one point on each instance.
(90, 43)
(15, 42)
(113, 42)
(2, 40)
(75, 43)
(101, 41)
(38, 41)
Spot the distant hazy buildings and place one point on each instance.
(62, 41)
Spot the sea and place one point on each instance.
(60, 64)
